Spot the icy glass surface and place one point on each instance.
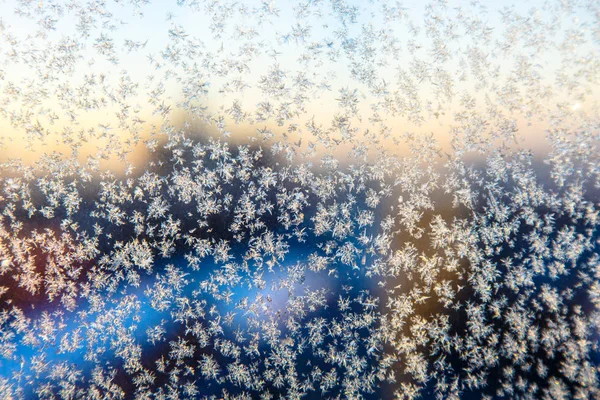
(309, 199)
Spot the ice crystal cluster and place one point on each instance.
(332, 199)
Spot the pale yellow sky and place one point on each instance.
(155, 30)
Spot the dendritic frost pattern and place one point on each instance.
(315, 199)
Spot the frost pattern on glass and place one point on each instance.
(314, 199)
